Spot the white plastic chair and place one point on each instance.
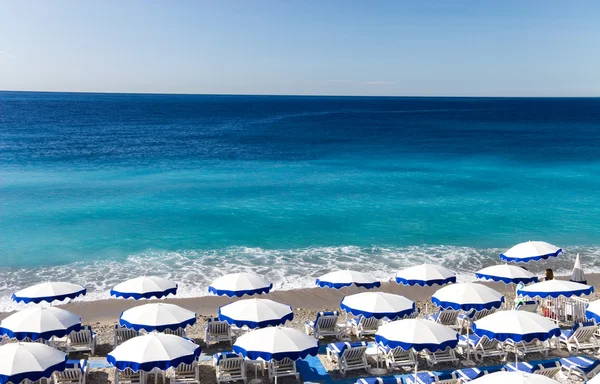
(230, 367)
(362, 326)
(81, 341)
(72, 375)
(181, 332)
(217, 331)
(185, 374)
(324, 325)
(123, 334)
(127, 376)
(282, 368)
(447, 317)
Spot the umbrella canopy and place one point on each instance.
(378, 305)
(516, 326)
(341, 279)
(425, 275)
(507, 274)
(48, 292)
(513, 378)
(276, 343)
(157, 317)
(144, 287)
(29, 361)
(530, 251)
(240, 284)
(593, 311)
(577, 275)
(40, 323)
(154, 350)
(555, 289)
(256, 313)
(467, 297)
(417, 334)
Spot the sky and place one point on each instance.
(315, 47)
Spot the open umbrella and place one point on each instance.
(48, 292)
(425, 275)
(240, 284)
(530, 251)
(276, 343)
(342, 279)
(577, 275)
(40, 324)
(555, 289)
(467, 297)
(144, 287)
(256, 313)
(507, 274)
(29, 361)
(157, 317)
(378, 305)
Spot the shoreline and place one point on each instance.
(314, 299)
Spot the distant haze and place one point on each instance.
(486, 48)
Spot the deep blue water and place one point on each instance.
(107, 184)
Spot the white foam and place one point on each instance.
(287, 268)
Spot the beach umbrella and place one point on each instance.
(256, 313)
(240, 284)
(425, 275)
(29, 361)
(467, 297)
(144, 287)
(577, 275)
(48, 292)
(555, 288)
(530, 251)
(513, 378)
(417, 334)
(153, 350)
(40, 323)
(516, 326)
(346, 278)
(593, 311)
(157, 317)
(507, 274)
(276, 343)
(378, 305)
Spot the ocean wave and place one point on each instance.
(287, 268)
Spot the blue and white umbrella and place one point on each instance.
(256, 313)
(49, 292)
(507, 274)
(40, 324)
(29, 361)
(530, 251)
(516, 326)
(154, 350)
(276, 343)
(240, 284)
(144, 287)
(513, 378)
(425, 275)
(593, 311)
(467, 297)
(555, 288)
(346, 278)
(417, 334)
(378, 305)
(157, 317)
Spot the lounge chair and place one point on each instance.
(447, 317)
(181, 332)
(581, 337)
(522, 348)
(431, 378)
(397, 357)
(548, 369)
(75, 373)
(324, 325)
(123, 334)
(481, 347)
(380, 380)
(185, 374)
(229, 367)
(81, 341)
(581, 366)
(362, 326)
(415, 314)
(469, 374)
(528, 306)
(128, 376)
(348, 356)
(465, 319)
(217, 331)
(282, 368)
(446, 356)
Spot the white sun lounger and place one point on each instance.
(522, 348)
(362, 326)
(324, 325)
(466, 319)
(282, 368)
(481, 347)
(230, 367)
(397, 357)
(548, 369)
(348, 356)
(82, 341)
(123, 334)
(447, 317)
(581, 366)
(217, 331)
(185, 374)
(127, 376)
(181, 332)
(74, 374)
(446, 356)
(581, 337)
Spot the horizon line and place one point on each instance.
(300, 95)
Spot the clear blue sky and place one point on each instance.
(346, 47)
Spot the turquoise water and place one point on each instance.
(108, 186)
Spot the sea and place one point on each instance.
(99, 188)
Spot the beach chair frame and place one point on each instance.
(128, 376)
(353, 358)
(324, 326)
(398, 357)
(446, 356)
(181, 332)
(574, 370)
(522, 348)
(217, 331)
(487, 348)
(71, 375)
(583, 338)
(123, 334)
(230, 369)
(282, 368)
(365, 326)
(185, 374)
(447, 317)
(81, 341)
